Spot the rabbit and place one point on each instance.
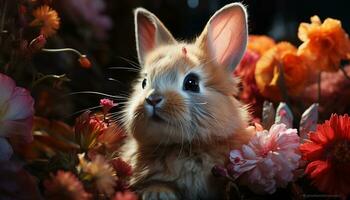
(182, 117)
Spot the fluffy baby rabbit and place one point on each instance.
(182, 116)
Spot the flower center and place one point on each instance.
(341, 151)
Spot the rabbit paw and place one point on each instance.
(158, 192)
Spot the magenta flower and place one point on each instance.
(107, 105)
(16, 111)
(268, 160)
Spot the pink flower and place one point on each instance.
(107, 105)
(16, 111)
(127, 195)
(268, 160)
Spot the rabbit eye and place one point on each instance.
(144, 82)
(191, 83)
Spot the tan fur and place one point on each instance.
(173, 158)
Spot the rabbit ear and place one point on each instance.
(150, 33)
(225, 35)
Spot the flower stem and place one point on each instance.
(62, 77)
(64, 50)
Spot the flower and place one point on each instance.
(87, 128)
(260, 43)
(107, 105)
(335, 94)
(267, 72)
(327, 152)
(16, 111)
(257, 45)
(121, 167)
(268, 160)
(100, 172)
(84, 62)
(37, 43)
(65, 185)
(47, 19)
(325, 44)
(127, 195)
(249, 93)
(111, 137)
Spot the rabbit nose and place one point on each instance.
(154, 99)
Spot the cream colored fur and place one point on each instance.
(172, 158)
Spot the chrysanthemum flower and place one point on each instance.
(107, 105)
(268, 160)
(100, 172)
(65, 185)
(325, 44)
(267, 72)
(16, 111)
(328, 153)
(47, 19)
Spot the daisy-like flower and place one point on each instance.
(47, 19)
(100, 172)
(65, 185)
(325, 44)
(268, 160)
(16, 113)
(328, 153)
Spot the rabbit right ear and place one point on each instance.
(150, 33)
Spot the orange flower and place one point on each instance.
(260, 43)
(47, 19)
(267, 72)
(325, 44)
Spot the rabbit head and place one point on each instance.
(185, 91)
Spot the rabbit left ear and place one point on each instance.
(225, 35)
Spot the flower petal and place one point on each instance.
(20, 105)
(7, 86)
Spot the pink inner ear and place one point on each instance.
(227, 36)
(146, 33)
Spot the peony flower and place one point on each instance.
(16, 112)
(267, 72)
(127, 195)
(327, 152)
(65, 185)
(87, 128)
(47, 19)
(100, 172)
(325, 44)
(268, 160)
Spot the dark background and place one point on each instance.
(184, 18)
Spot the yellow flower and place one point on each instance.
(267, 72)
(260, 43)
(47, 19)
(325, 44)
(100, 172)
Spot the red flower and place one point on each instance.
(127, 195)
(328, 155)
(65, 185)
